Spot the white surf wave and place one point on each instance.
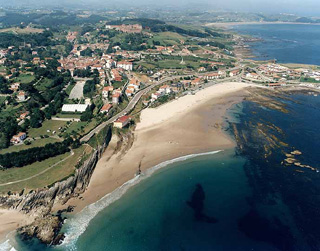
(6, 246)
(77, 225)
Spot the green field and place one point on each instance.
(44, 84)
(2, 99)
(35, 143)
(58, 172)
(52, 125)
(11, 110)
(166, 38)
(69, 89)
(68, 115)
(76, 127)
(25, 78)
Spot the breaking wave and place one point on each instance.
(77, 225)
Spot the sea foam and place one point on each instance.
(77, 225)
(6, 246)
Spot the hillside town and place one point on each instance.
(93, 101)
(101, 78)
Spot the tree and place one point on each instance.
(87, 115)
(86, 53)
(36, 118)
(4, 141)
(4, 86)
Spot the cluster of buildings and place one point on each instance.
(215, 75)
(19, 138)
(132, 87)
(115, 94)
(279, 72)
(163, 90)
(96, 63)
(126, 28)
(78, 48)
(72, 36)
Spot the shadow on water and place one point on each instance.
(261, 229)
(197, 204)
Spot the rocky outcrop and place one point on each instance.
(40, 202)
(46, 229)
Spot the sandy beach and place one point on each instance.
(229, 25)
(188, 125)
(11, 220)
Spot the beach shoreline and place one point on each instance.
(11, 220)
(161, 136)
(228, 25)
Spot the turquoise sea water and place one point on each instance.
(288, 43)
(155, 214)
(230, 200)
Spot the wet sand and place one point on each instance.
(192, 124)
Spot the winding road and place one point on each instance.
(129, 107)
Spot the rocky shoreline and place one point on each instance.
(46, 226)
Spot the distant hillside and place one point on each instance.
(159, 26)
(306, 20)
(53, 19)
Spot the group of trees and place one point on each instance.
(89, 87)
(29, 156)
(35, 39)
(55, 19)
(130, 42)
(9, 127)
(4, 88)
(82, 73)
(88, 114)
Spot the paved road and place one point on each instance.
(129, 107)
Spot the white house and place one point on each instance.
(128, 66)
(21, 96)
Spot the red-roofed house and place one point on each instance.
(115, 98)
(196, 81)
(24, 115)
(122, 121)
(106, 108)
(106, 90)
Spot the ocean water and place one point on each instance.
(285, 196)
(287, 43)
(237, 199)
(190, 205)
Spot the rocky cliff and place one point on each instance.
(40, 202)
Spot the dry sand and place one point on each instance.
(10, 220)
(228, 25)
(190, 124)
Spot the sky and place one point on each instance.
(301, 7)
